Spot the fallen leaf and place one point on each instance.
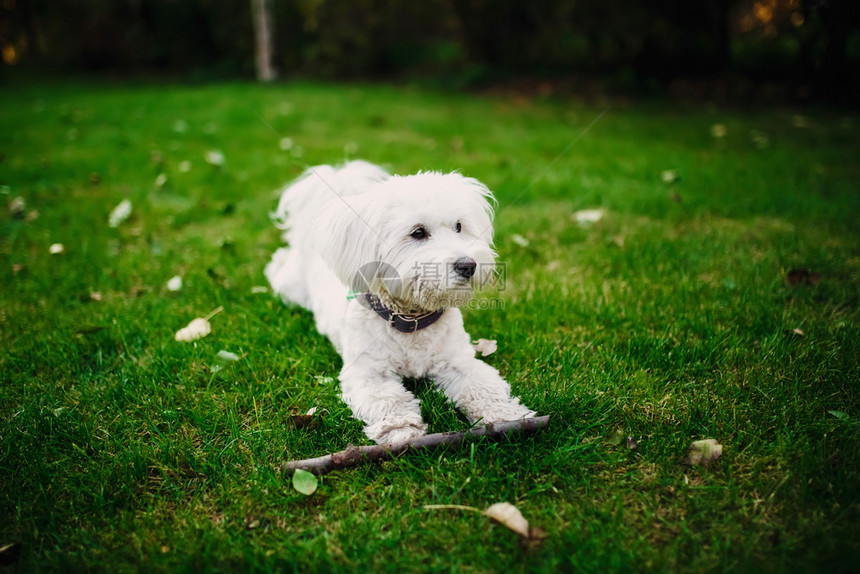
(798, 332)
(307, 420)
(843, 416)
(519, 240)
(174, 283)
(96, 296)
(485, 346)
(669, 176)
(214, 157)
(303, 421)
(18, 208)
(588, 216)
(197, 328)
(704, 452)
(798, 277)
(509, 515)
(56, 249)
(305, 482)
(120, 213)
(616, 437)
(228, 356)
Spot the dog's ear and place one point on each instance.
(345, 237)
(481, 207)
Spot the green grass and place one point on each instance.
(670, 320)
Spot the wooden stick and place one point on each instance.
(354, 455)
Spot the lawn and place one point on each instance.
(672, 318)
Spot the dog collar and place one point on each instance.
(400, 321)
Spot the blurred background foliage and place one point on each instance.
(740, 48)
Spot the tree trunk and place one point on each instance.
(263, 39)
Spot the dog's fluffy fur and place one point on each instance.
(341, 221)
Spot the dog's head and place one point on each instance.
(420, 242)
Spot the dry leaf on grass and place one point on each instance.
(197, 328)
(223, 358)
(56, 249)
(519, 240)
(509, 515)
(227, 356)
(307, 420)
(120, 213)
(704, 452)
(485, 346)
(214, 157)
(18, 208)
(669, 176)
(504, 513)
(588, 216)
(175, 283)
(616, 437)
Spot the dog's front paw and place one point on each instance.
(500, 412)
(389, 432)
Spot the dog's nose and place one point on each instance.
(465, 267)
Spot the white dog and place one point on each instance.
(384, 262)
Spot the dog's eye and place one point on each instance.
(458, 227)
(419, 233)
